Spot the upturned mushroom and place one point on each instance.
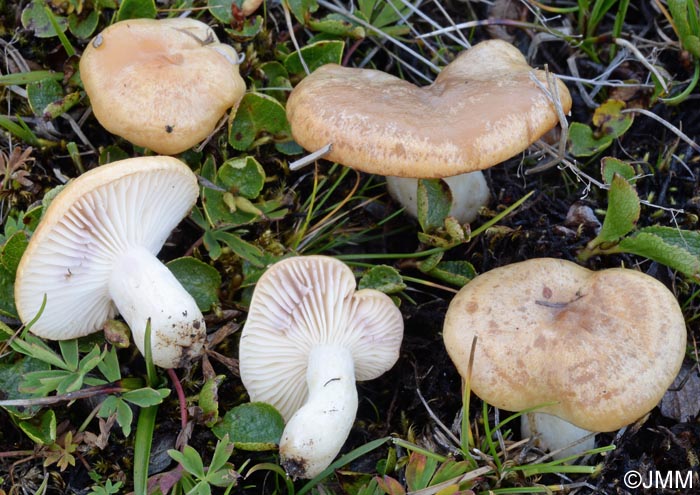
(596, 349)
(482, 109)
(308, 337)
(93, 255)
(162, 84)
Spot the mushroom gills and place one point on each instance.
(142, 288)
(315, 434)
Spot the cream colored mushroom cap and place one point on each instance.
(305, 301)
(603, 345)
(90, 223)
(482, 109)
(162, 84)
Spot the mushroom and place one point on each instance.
(162, 84)
(93, 255)
(596, 349)
(308, 337)
(482, 109)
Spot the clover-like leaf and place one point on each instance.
(383, 278)
(252, 426)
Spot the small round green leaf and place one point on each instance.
(42, 93)
(34, 17)
(242, 176)
(315, 55)
(383, 278)
(252, 426)
(434, 200)
(202, 281)
(257, 114)
(136, 9)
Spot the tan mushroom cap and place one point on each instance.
(162, 84)
(482, 109)
(604, 345)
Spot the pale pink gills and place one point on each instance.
(93, 255)
(162, 84)
(308, 337)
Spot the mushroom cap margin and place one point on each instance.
(604, 346)
(303, 301)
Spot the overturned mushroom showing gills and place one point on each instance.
(308, 337)
(482, 109)
(598, 348)
(162, 84)
(94, 255)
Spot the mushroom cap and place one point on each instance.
(303, 302)
(603, 345)
(482, 109)
(94, 219)
(163, 84)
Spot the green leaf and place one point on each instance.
(610, 166)
(222, 452)
(69, 352)
(61, 106)
(258, 114)
(315, 55)
(582, 142)
(610, 120)
(10, 256)
(434, 200)
(124, 416)
(448, 470)
(252, 426)
(34, 18)
(109, 366)
(21, 78)
(302, 9)
(247, 29)
(242, 176)
(419, 470)
(383, 278)
(201, 280)
(623, 211)
(244, 249)
(338, 26)
(221, 9)
(190, 460)
(41, 94)
(675, 248)
(136, 9)
(212, 245)
(83, 27)
(42, 430)
(145, 397)
(12, 375)
(458, 272)
(209, 399)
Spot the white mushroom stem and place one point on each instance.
(552, 433)
(316, 432)
(469, 193)
(142, 288)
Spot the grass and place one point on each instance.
(442, 439)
